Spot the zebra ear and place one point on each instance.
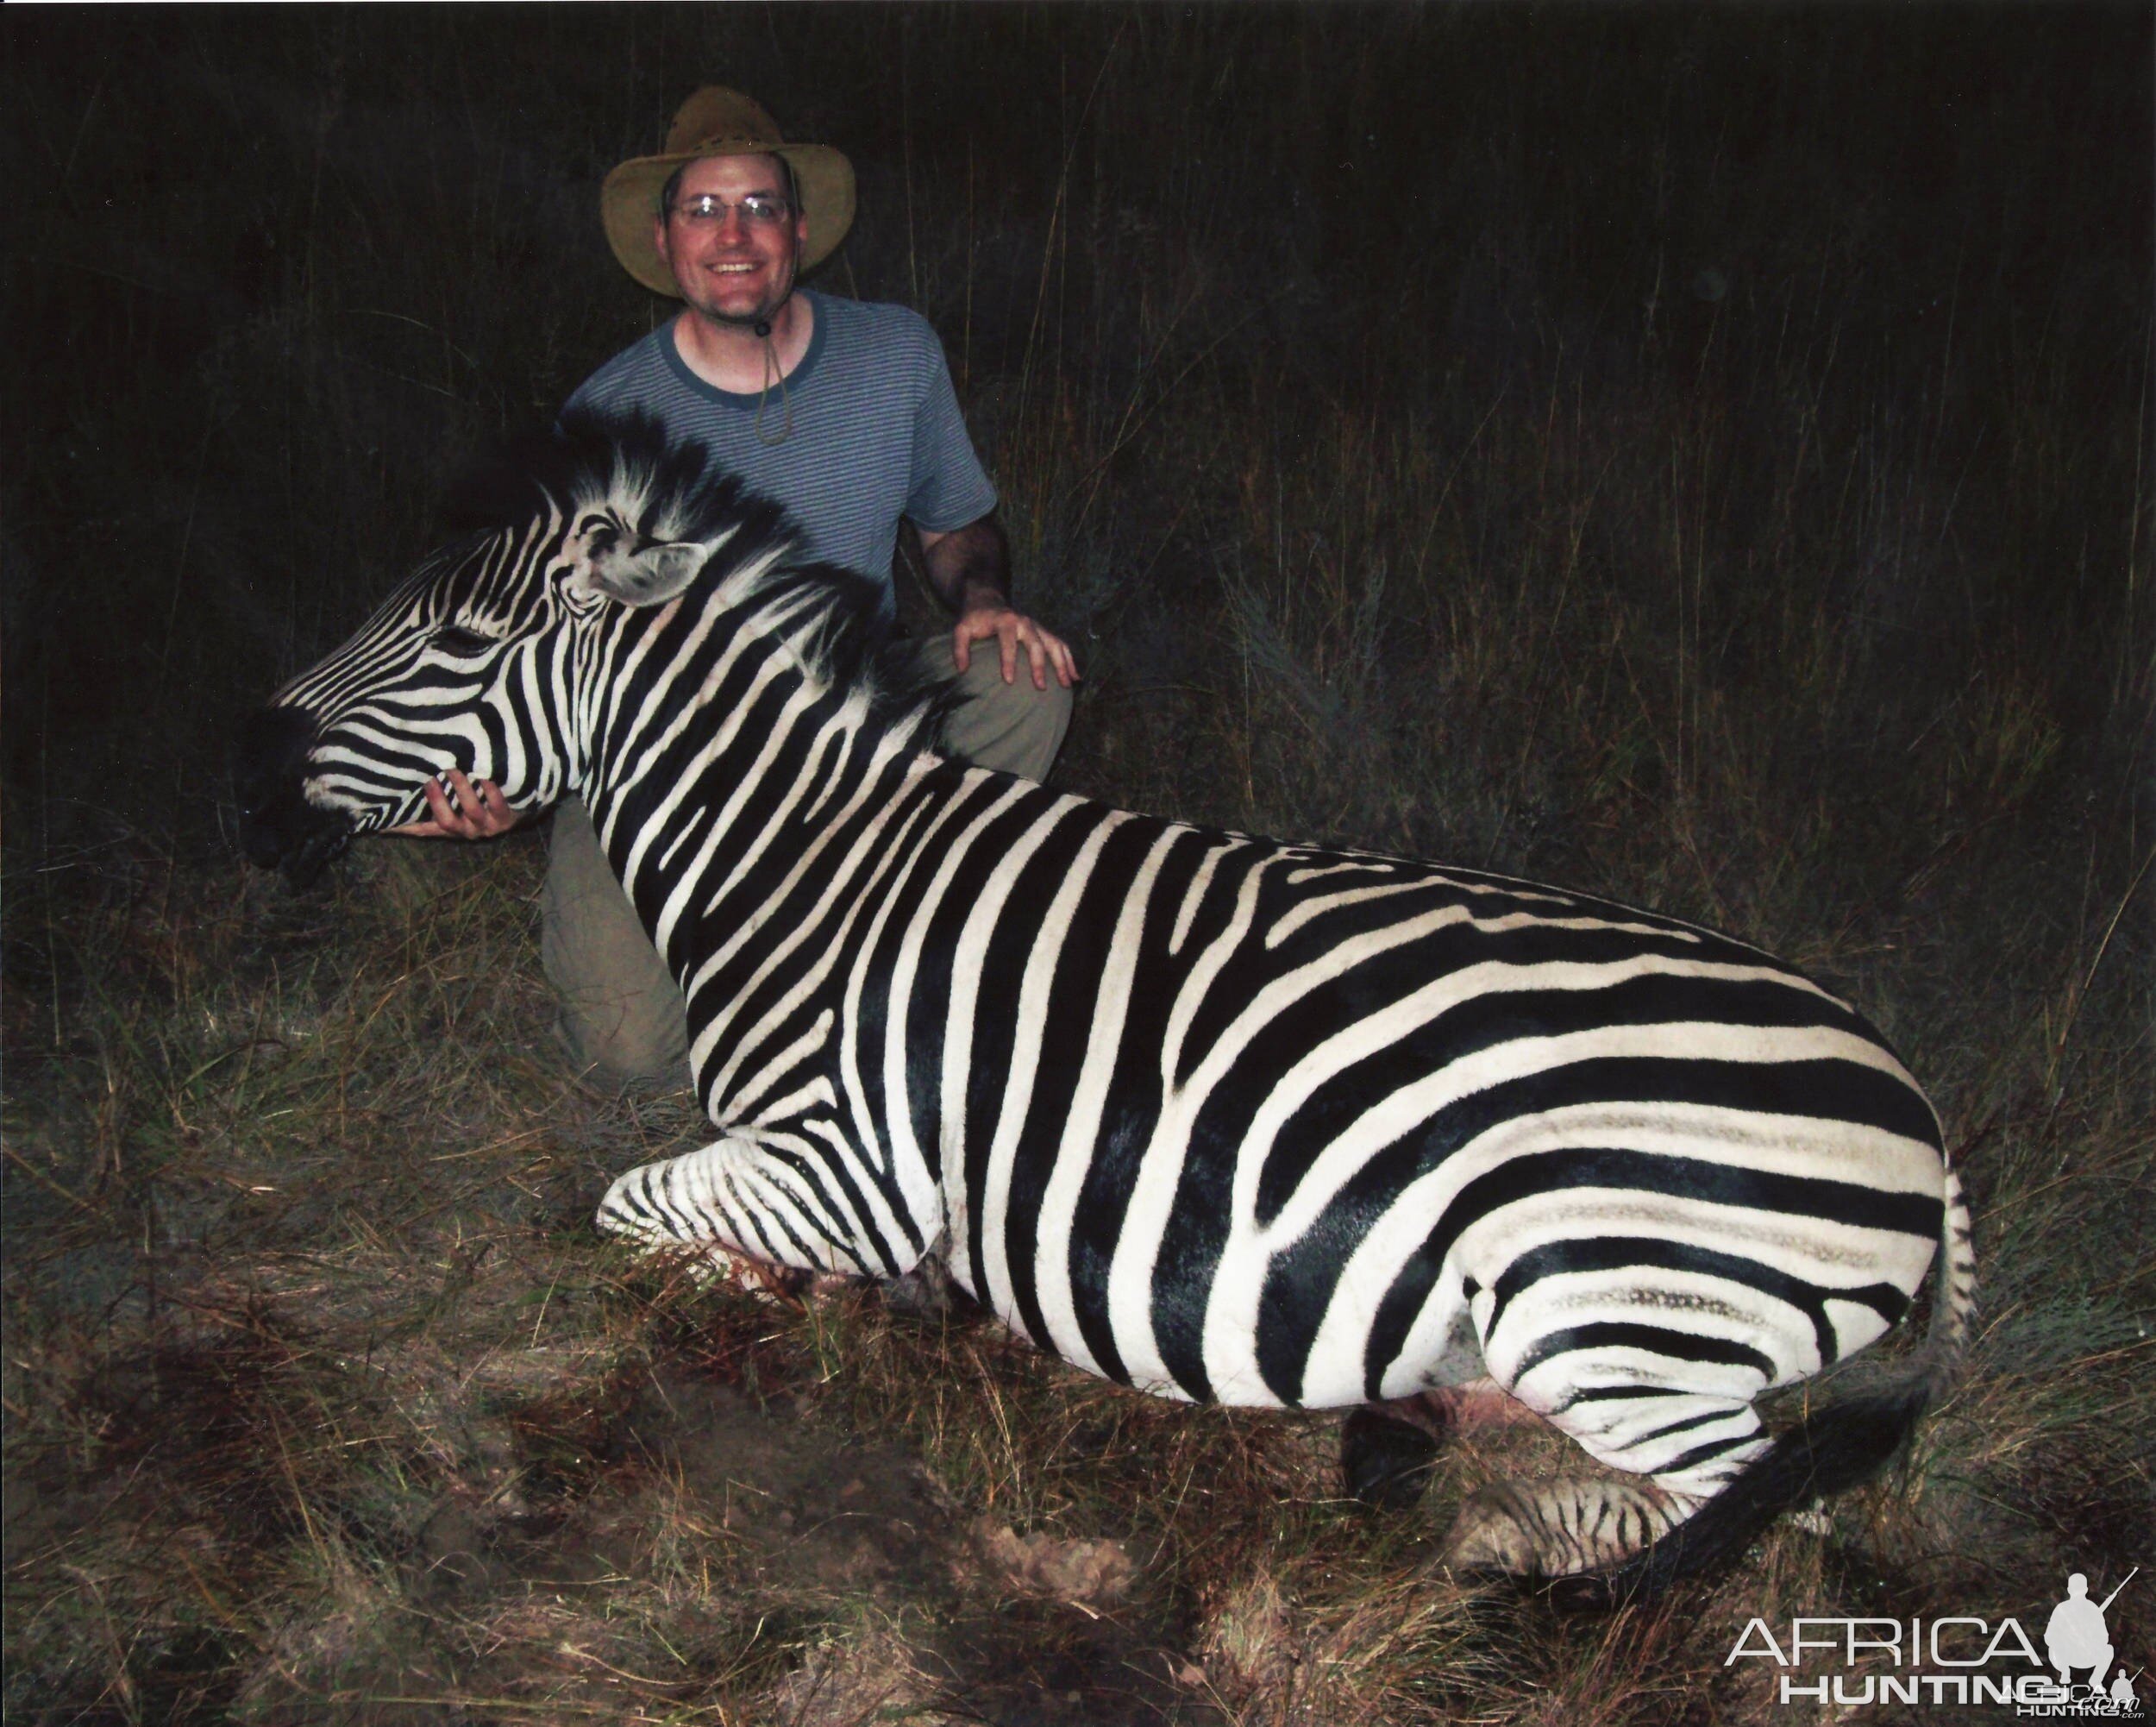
(649, 577)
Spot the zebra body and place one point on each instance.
(1217, 1117)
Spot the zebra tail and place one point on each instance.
(1954, 1301)
(1832, 1447)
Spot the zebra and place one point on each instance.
(1219, 1118)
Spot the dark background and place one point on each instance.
(270, 272)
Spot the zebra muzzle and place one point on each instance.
(279, 828)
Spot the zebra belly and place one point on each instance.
(1074, 1310)
(1443, 1351)
(1568, 1246)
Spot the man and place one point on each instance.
(842, 410)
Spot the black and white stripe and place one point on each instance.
(1217, 1117)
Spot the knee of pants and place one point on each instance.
(620, 1010)
(637, 1038)
(1013, 728)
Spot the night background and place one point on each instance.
(1697, 454)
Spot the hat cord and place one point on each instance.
(771, 369)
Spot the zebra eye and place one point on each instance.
(455, 638)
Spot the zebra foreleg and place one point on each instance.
(756, 1213)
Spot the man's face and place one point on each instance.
(732, 268)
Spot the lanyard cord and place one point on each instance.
(772, 369)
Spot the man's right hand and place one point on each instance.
(1014, 634)
(481, 812)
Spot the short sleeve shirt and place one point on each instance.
(866, 431)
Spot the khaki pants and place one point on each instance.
(622, 1017)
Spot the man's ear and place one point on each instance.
(649, 577)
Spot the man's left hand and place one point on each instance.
(1012, 630)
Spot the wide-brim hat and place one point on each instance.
(719, 121)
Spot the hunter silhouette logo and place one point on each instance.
(2075, 1638)
(1957, 1660)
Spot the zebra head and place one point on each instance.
(482, 660)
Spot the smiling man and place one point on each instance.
(844, 411)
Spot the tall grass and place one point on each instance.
(1699, 455)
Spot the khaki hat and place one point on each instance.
(719, 121)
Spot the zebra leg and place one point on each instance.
(1680, 1448)
(760, 1217)
(1561, 1527)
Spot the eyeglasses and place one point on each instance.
(758, 209)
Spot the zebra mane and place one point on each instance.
(831, 617)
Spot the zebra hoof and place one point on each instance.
(1568, 1526)
(1385, 1462)
(922, 1294)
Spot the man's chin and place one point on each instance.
(740, 317)
(736, 306)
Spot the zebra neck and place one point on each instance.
(715, 806)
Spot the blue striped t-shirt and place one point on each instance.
(876, 433)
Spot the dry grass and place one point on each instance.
(1467, 516)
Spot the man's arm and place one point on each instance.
(970, 569)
